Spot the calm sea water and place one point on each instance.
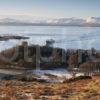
(65, 37)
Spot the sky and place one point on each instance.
(50, 8)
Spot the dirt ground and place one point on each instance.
(87, 89)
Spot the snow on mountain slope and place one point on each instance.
(50, 21)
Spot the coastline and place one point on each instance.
(48, 61)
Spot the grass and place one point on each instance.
(85, 89)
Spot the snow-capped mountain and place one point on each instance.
(91, 21)
(67, 21)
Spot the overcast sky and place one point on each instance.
(50, 8)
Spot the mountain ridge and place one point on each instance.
(91, 21)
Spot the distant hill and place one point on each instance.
(89, 22)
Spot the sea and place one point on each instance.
(64, 37)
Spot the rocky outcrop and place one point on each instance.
(46, 57)
(33, 56)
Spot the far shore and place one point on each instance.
(9, 37)
(46, 24)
